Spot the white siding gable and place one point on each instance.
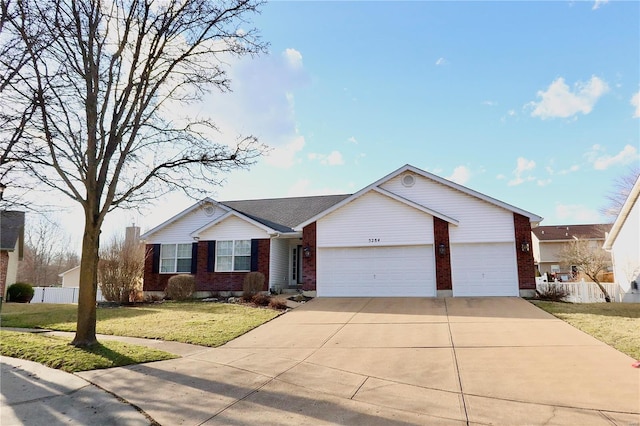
(180, 230)
(626, 250)
(479, 221)
(374, 220)
(232, 228)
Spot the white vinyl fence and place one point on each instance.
(584, 292)
(59, 295)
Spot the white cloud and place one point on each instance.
(285, 156)
(575, 213)
(635, 101)
(489, 103)
(598, 3)
(544, 182)
(559, 101)
(261, 103)
(441, 61)
(461, 175)
(333, 159)
(302, 188)
(522, 167)
(293, 58)
(501, 177)
(602, 161)
(353, 140)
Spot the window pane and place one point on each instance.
(167, 251)
(242, 263)
(184, 250)
(223, 263)
(224, 248)
(166, 265)
(184, 265)
(243, 248)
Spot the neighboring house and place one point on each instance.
(11, 247)
(549, 242)
(71, 278)
(623, 241)
(410, 233)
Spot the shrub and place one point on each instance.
(261, 299)
(180, 287)
(553, 293)
(253, 283)
(278, 303)
(20, 293)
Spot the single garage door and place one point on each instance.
(487, 269)
(376, 272)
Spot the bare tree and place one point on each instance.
(620, 191)
(121, 269)
(108, 80)
(17, 108)
(590, 259)
(46, 253)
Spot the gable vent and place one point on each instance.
(408, 180)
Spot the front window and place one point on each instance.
(175, 258)
(233, 256)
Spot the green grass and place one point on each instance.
(55, 352)
(616, 324)
(201, 323)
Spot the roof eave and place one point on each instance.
(632, 198)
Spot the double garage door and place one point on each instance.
(376, 271)
(487, 269)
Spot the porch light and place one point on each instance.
(525, 246)
(306, 251)
(442, 249)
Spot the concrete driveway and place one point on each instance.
(393, 362)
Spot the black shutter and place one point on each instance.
(194, 258)
(155, 268)
(211, 256)
(254, 255)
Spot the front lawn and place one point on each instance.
(616, 324)
(200, 323)
(55, 352)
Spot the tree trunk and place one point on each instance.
(607, 298)
(86, 325)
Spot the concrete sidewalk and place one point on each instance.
(32, 394)
(388, 361)
(393, 362)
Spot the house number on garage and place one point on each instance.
(374, 240)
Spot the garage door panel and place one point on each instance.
(376, 271)
(487, 269)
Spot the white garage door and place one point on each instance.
(376, 272)
(487, 269)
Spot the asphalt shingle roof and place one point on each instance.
(282, 214)
(11, 227)
(568, 232)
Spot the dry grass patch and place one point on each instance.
(200, 323)
(615, 324)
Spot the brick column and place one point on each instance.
(443, 261)
(309, 263)
(526, 267)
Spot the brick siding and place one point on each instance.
(443, 262)
(208, 281)
(4, 266)
(526, 268)
(309, 263)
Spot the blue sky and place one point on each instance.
(533, 103)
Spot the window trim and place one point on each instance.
(233, 256)
(175, 259)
